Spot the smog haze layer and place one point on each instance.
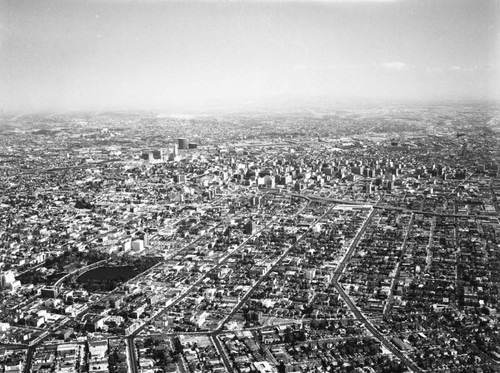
(143, 55)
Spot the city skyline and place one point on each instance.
(90, 55)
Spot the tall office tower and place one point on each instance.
(249, 227)
(180, 178)
(6, 279)
(255, 201)
(183, 143)
(158, 154)
(146, 155)
(310, 273)
(176, 151)
(368, 187)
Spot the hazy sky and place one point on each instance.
(132, 54)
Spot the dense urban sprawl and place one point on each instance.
(361, 240)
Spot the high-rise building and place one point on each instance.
(153, 156)
(298, 186)
(7, 279)
(180, 178)
(138, 245)
(49, 292)
(369, 187)
(147, 155)
(127, 245)
(255, 201)
(158, 154)
(310, 273)
(249, 227)
(183, 143)
(174, 156)
(209, 194)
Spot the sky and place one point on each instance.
(148, 54)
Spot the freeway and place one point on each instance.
(337, 274)
(132, 358)
(80, 271)
(387, 207)
(335, 278)
(214, 333)
(74, 167)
